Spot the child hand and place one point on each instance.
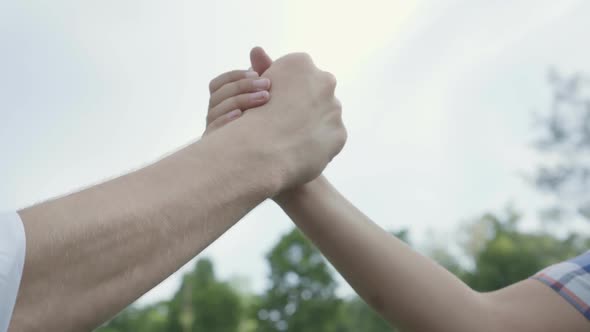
(232, 93)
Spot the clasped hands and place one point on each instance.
(286, 108)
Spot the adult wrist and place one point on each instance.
(260, 161)
(303, 192)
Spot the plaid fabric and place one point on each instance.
(571, 279)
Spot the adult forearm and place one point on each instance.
(91, 253)
(407, 288)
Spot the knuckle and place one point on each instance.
(342, 137)
(303, 56)
(244, 85)
(338, 112)
(237, 75)
(212, 85)
(299, 59)
(337, 105)
(331, 81)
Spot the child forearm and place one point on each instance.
(408, 289)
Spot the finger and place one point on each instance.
(237, 88)
(241, 102)
(260, 60)
(223, 120)
(229, 77)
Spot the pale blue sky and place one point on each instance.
(437, 98)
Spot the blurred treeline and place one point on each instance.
(488, 252)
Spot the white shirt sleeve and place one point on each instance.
(12, 259)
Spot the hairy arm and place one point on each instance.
(91, 253)
(408, 289)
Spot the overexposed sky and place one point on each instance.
(437, 98)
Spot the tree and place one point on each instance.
(148, 319)
(205, 304)
(202, 303)
(301, 295)
(564, 141)
(500, 254)
(360, 317)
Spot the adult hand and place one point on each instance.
(261, 61)
(301, 125)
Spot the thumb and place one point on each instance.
(260, 60)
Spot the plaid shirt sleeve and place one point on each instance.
(571, 280)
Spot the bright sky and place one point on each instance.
(437, 98)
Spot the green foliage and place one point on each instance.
(202, 303)
(502, 254)
(360, 317)
(205, 304)
(148, 319)
(302, 288)
(301, 296)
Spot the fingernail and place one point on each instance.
(234, 114)
(259, 96)
(263, 83)
(251, 74)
